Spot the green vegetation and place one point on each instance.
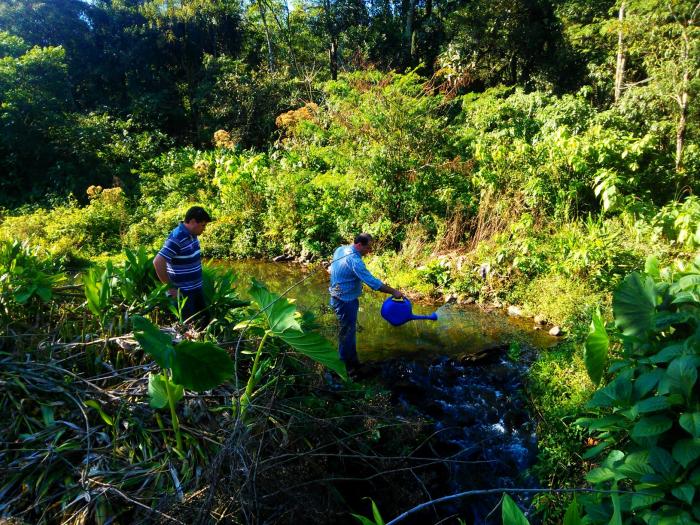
(646, 417)
(529, 153)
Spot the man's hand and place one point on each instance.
(172, 292)
(398, 295)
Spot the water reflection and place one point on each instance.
(458, 331)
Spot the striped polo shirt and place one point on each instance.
(348, 272)
(183, 260)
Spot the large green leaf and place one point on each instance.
(685, 451)
(511, 513)
(691, 422)
(652, 404)
(599, 475)
(153, 341)
(616, 518)
(157, 392)
(668, 353)
(635, 466)
(687, 282)
(596, 349)
(201, 366)
(662, 462)
(92, 291)
(573, 514)
(646, 382)
(651, 426)
(685, 493)
(317, 348)
(646, 498)
(634, 304)
(682, 374)
(651, 267)
(280, 313)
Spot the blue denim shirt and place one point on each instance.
(348, 272)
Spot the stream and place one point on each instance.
(464, 372)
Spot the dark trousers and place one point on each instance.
(195, 306)
(346, 312)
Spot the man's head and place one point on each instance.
(196, 220)
(363, 243)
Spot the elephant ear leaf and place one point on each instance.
(511, 513)
(158, 393)
(596, 349)
(317, 348)
(634, 305)
(201, 366)
(153, 341)
(280, 313)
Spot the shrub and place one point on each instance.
(645, 419)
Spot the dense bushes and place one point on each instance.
(543, 189)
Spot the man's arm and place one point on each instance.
(159, 263)
(393, 291)
(358, 266)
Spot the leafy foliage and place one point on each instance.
(26, 277)
(647, 411)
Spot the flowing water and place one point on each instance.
(456, 371)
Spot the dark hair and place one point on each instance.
(198, 214)
(363, 239)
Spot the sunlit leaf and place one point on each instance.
(105, 417)
(200, 366)
(595, 351)
(651, 267)
(511, 513)
(158, 393)
(278, 311)
(317, 348)
(375, 514)
(154, 342)
(687, 282)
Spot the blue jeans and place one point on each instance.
(195, 304)
(346, 312)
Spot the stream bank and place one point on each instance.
(462, 375)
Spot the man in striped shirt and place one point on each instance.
(348, 272)
(179, 263)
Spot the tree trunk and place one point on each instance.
(408, 32)
(270, 54)
(620, 70)
(682, 100)
(333, 58)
